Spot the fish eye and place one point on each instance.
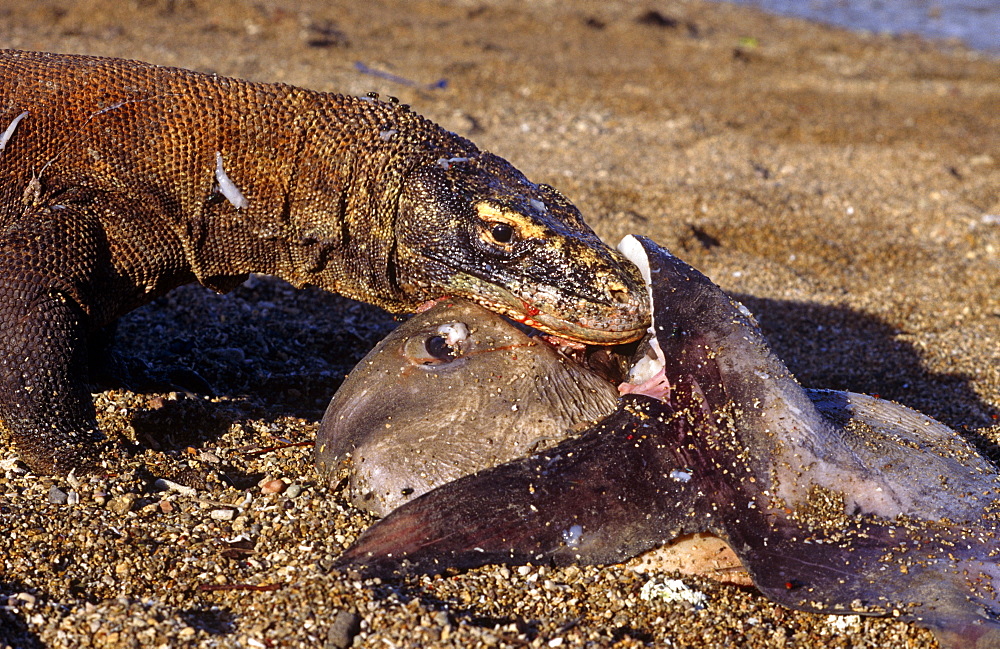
(437, 347)
(502, 232)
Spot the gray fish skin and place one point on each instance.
(417, 412)
(849, 515)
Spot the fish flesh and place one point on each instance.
(834, 502)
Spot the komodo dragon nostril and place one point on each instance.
(618, 294)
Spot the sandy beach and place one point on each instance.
(845, 187)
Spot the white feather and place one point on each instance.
(227, 186)
(10, 130)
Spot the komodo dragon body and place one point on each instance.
(121, 180)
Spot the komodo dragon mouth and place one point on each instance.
(623, 319)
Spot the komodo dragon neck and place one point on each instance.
(313, 178)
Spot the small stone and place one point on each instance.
(166, 506)
(210, 457)
(231, 355)
(240, 523)
(57, 496)
(223, 514)
(345, 626)
(273, 486)
(162, 484)
(293, 490)
(27, 598)
(122, 504)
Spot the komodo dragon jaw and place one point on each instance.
(476, 228)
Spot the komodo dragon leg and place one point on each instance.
(43, 348)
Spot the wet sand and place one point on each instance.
(845, 187)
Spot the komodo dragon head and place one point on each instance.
(477, 228)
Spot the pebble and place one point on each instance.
(274, 486)
(27, 599)
(162, 484)
(156, 403)
(122, 504)
(223, 514)
(210, 457)
(57, 496)
(345, 626)
(233, 355)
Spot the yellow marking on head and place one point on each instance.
(524, 226)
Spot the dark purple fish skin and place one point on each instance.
(825, 517)
(608, 483)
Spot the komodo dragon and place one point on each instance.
(121, 180)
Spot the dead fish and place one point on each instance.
(880, 512)
(451, 391)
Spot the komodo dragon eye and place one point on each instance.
(502, 232)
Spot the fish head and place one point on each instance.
(453, 390)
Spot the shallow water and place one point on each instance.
(977, 22)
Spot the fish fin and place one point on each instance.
(976, 636)
(593, 499)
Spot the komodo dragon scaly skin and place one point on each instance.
(121, 180)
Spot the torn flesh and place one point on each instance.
(647, 374)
